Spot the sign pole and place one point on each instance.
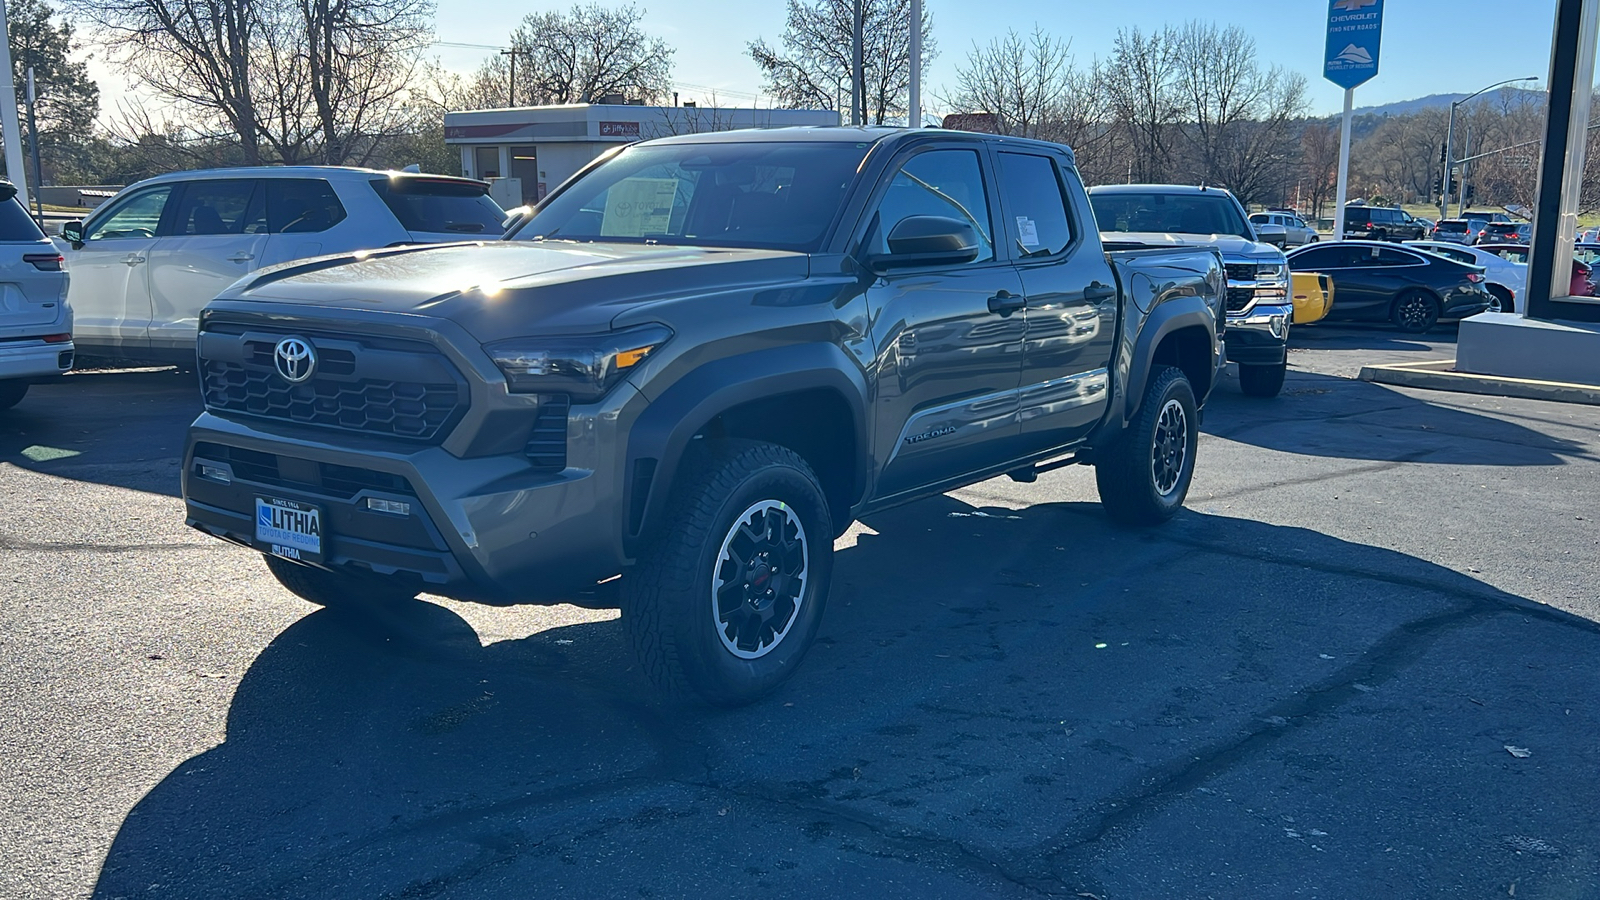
(10, 129)
(1355, 33)
(914, 116)
(1344, 166)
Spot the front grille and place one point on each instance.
(328, 479)
(1241, 271)
(380, 386)
(547, 445)
(1239, 298)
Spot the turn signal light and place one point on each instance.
(57, 338)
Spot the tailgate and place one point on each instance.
(29, 296)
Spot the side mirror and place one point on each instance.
(929, 241)
(73, 232)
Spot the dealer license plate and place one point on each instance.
(289, 529)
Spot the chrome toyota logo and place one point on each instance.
(295, 359)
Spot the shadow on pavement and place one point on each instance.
(1000, 702)
(123, 428)
(1323, 415)
(1368, 336)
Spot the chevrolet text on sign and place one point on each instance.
(1355, 28)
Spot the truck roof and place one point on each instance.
(1163, 188)
(854, 134)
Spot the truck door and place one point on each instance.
(948, 338)
(1071, 300)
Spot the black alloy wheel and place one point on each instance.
(1415, 311)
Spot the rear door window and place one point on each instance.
(16, 224)
(219, 206)
(301, 205)
(1317, 258)
(441, 207)
(1034, 196)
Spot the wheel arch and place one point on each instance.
(809, 398)
(1177, 333)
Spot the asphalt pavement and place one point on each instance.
(1360, 663)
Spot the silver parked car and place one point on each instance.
(147, 261)
(35, 321)
(1295, 231)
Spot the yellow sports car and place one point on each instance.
(1313, 297)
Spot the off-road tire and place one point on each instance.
(1126, 473)
(11, 393)
(337, 591)
(1415, 311)
(669, 597)
(1262, 381)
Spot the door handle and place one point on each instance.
(241, 257)
(133, 259)
(1006, 303)
(1097, 292)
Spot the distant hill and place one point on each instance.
(1432, 101)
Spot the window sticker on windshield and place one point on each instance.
(636, 207)
(1028, 230)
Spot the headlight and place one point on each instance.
(1273, 271)
(584, 366)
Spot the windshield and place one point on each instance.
(768, 195)
(1211, 213)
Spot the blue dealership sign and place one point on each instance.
(1355, 28)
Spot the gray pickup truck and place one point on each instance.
(1179, 215)
(694, 366)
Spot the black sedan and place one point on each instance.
(1375, 281)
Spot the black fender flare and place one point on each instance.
(664, 429)
(1165, 319)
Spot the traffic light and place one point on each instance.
(1441, 154)
(1469, 192)
(1455, 185)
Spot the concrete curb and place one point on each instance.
(1440, 375)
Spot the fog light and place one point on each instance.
(215, 473)
(392, 507)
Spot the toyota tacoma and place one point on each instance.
(693, 366)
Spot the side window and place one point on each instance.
(945, 183)
(301, 205)
(1316, 258)
(1034, 194)
(220, 206)
(137, 216)
(1383, 256)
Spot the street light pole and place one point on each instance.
(1449, 139)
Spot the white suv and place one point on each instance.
(151, 258)
(35, 321)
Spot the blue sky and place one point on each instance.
(1485, 40)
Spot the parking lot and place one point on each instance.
(1361, 663)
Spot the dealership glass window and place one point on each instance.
(525, 165)
(486, 160)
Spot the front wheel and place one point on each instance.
(1262, 381)
(12, 392)
(727, 597)
(1144, 476)
(1415, 312)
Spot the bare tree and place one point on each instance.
(578, 56)
(813, 68)
(281, 80)
(1141, 84)
(1319, 163)
(1021, 81)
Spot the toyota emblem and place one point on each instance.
(295, 359)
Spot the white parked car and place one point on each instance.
(1504, 278)
(35, 320)
(145, 263)
(1295, 231)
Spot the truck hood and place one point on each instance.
(1229, 245)
(506, 288)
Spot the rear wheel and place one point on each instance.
(1144, 476)
(726, 599)
(1262, 381)
(1380, 235)
(1415, 311)
(12, 392)
(1502, 300)
(338, 591)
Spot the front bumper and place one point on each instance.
(1260, 337)
(492, 529)
(34, 358)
